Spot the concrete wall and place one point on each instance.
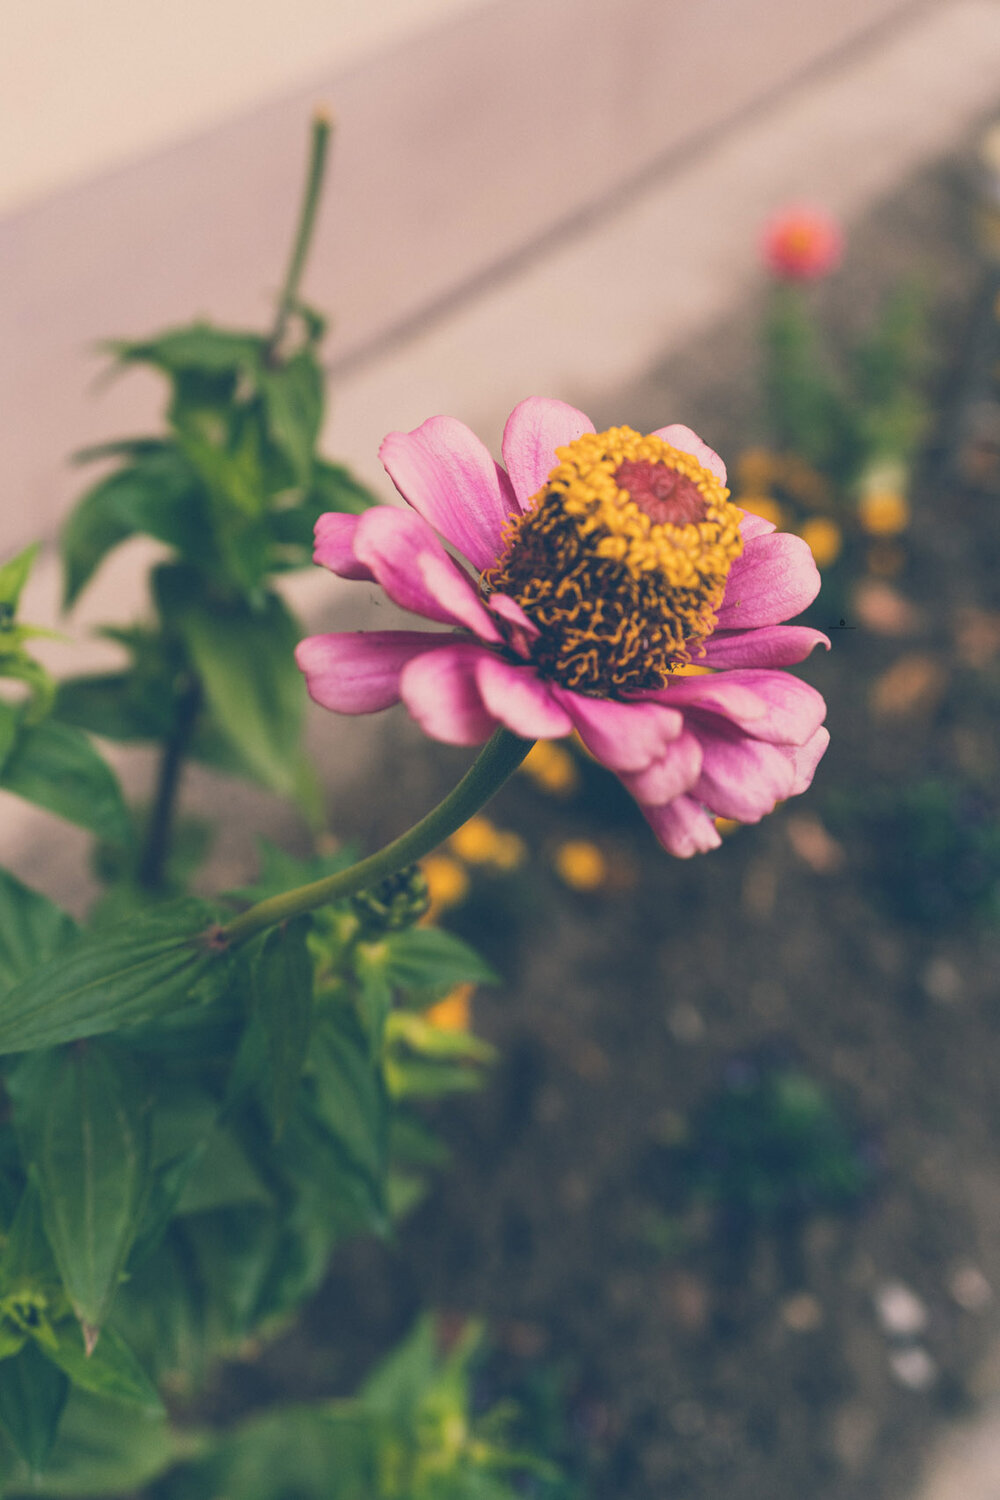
(461, 146)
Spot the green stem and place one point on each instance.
(157, 842)
(498, 759)
(321, 128)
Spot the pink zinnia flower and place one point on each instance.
(604, 564)
(802, 244)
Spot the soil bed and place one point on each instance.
(710, 1353)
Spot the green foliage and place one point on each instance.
(236, 485)
(190, 1127)
(410, 1434)
(770, 1144)
(82, 1118)
(103, 1448)
(109, 978)
(33, 1393)
(933, 849)
(283, 1010)
(807, 409)
(32, 930)
(56, 767)
(850, 417)
(15, 661)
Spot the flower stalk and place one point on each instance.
(496, 762)
(322, 127)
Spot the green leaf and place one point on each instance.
(82, 1118)
(115, 705)
(32, 930)
(104, 1448)
(119, 448)
(246, 662)
(14, 575)
(437, 1043)
(283, 1007)
(334, 487)
(404, 1378)
(56, 767)
(198, 347)
(118, 976)
(351, 1099)
(222, 1177)
(27, 1262)
(293, 401)
(428, 959)
(279, 870)
(291, 528)
(19, 666)
(307, 1452)
(111, 1369)
(156, 495)
(32, 1396)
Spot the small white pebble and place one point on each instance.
(686, 1023)
(913, 1367)
(802, 1312)
(900, 1311)
(942, 981)
(970, 1289)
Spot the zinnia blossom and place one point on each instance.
(607, 566)
(802, 244)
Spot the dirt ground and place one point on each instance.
(817, 1352)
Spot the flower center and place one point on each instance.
(620, 562)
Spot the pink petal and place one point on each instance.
(774, 579)
(753, 525)
(334, 547)
(441, 692)
(357, 671)
(675, 772)
(508, 609)
(623, 736)
(450, 478)
(534, 430)
(518, 698)
(742, 778)
(805, 759)
(679, 436)
(771, 706)
(683, 827)
(446, 583)
(767, 646)
(416, 572)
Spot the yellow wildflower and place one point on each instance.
(454, 1012)
(581, 865)
(447, 882)
(765, 506)
(480, 842)
(726, 826)
(757, 468)
(552, 768)
(884, 512)
(824, 538)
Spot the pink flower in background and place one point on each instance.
(606, 566)
(802, 244)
